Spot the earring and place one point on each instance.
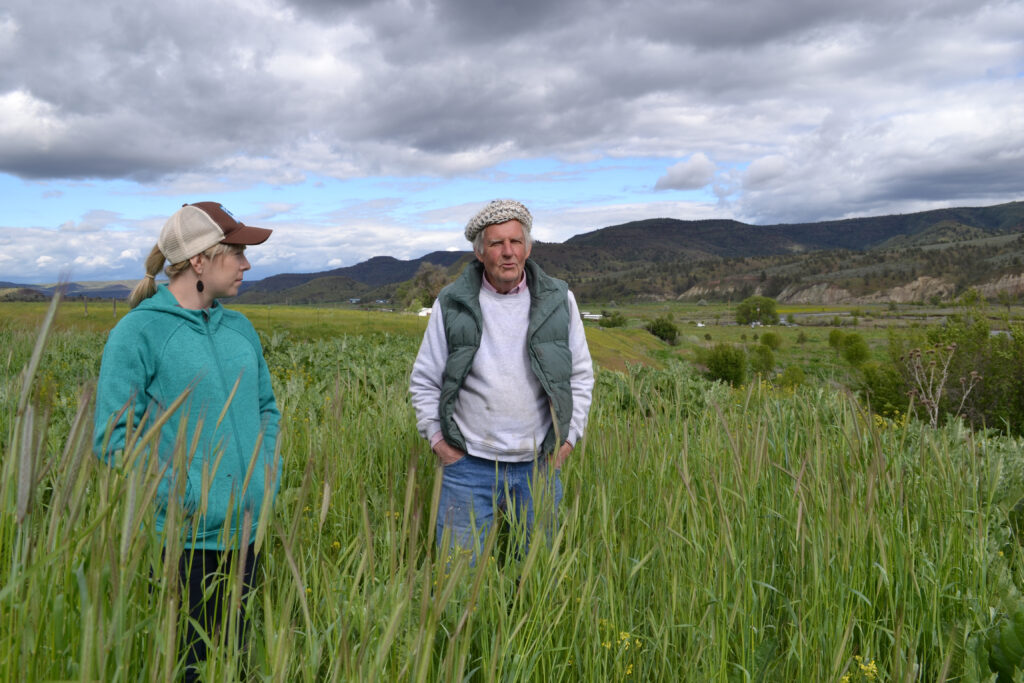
(199, 285)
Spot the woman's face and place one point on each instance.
(223, 274)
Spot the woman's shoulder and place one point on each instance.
(142, 332)
(237, 322)
(139, 320)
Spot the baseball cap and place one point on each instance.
(194, 228)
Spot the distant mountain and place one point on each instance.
(849, 259)
(16, 293)
(731, 239)
(326, 288)
(905, 255)
(375, 272)
(91, 290)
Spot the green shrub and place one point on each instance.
(663, 328)
(762, 360)
(835, 339)
(854, 349)
(727, 363)
(792, 376)
(771, 340)
(884, 388)
(612, 319)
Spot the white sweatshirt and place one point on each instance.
(501, 409)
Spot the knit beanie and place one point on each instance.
(498, 211)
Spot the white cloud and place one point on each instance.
(764, 171)
(696, 172)
(27, 122)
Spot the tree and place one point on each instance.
(757, 309)
(1005, 299)
(425, 285)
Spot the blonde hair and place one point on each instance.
(155, 261)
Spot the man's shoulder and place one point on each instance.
(544, 281)
(466, 284)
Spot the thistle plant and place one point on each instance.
(929, 372)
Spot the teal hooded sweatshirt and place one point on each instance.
(155, 353)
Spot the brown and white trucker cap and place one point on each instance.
(194, 228)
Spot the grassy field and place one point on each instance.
(707, 533)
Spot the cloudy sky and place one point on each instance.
(357, 128)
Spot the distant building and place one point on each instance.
(424, 312)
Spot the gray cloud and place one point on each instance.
(809, 109)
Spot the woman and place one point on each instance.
(216, 451)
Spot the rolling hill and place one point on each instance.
(867, 258)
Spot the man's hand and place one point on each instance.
(562, 454)
(447, 454)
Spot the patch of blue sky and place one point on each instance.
(543, 183)
(52, 203)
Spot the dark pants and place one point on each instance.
(205, 585)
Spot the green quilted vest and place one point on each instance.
(547, 339)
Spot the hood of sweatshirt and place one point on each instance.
(202, 320)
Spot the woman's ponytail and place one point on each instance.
(147, 285)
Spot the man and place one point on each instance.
(503, 380)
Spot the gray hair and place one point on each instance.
(478, 240)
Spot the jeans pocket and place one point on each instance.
(453, 464)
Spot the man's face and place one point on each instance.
(505, 253)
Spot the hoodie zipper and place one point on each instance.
(240, 466)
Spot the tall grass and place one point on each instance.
(705, 534)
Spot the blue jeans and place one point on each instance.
(474, 489)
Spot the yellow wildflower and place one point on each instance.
(606, 645)
(870, 670)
